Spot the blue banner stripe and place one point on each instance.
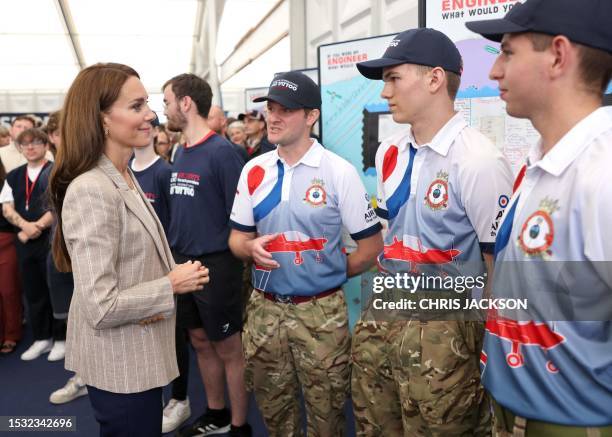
(273, 199)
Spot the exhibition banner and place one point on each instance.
(253, 93)
(355, 119)
(478, 98)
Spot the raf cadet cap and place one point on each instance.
(293, 90)
(586, 22)
(416, 46)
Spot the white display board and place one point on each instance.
(478, 97)
(253, 93)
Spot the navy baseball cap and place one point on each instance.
(293, 90)
(584, 22)
(416, 46)
(253, 113)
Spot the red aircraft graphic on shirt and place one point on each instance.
(296, 242)
(398, 251)
(523, 333)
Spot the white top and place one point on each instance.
(6, 195)
(134, 167)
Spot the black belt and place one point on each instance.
(280, 298)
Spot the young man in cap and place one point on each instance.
(255, 127)
(290, 207)
(555, 378)
(440, 184)
(202, 188)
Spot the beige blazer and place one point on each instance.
(120, 259)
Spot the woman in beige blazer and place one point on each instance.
(121, 322)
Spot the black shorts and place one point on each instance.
(218, 306)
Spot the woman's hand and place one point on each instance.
(188, 277)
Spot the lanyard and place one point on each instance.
(30, 188)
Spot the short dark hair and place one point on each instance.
(32, 134)
(453, 80)
(195, 87)
(24, 117)
(595, 64)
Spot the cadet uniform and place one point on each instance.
(296, 332)
(421, 377)
(297, 326)
(549, 369)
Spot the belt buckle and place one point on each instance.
(283, 299)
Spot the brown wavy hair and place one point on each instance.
(90, 96)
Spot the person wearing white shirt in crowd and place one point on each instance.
(24, 206)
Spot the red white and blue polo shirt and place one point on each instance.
(554, 248)
(307, 204)
(443, 200)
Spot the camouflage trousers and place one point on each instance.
(306, 345)
(415, 378)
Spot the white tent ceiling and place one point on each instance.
(156, 37)
(36, 53)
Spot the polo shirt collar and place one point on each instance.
(572, 144)
(311, 158)
(445, 137)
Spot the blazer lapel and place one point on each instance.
(148, 218)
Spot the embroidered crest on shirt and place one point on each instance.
(437, 193)
(538, 231)
(315, 194)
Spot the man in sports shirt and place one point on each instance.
(289, 210)
(550, 370)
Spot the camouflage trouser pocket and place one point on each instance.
(375, 398)
(473, 335)
(333, 313)
(260, 339)
(320, 342)
(449, 371)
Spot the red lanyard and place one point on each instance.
(30, 188)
